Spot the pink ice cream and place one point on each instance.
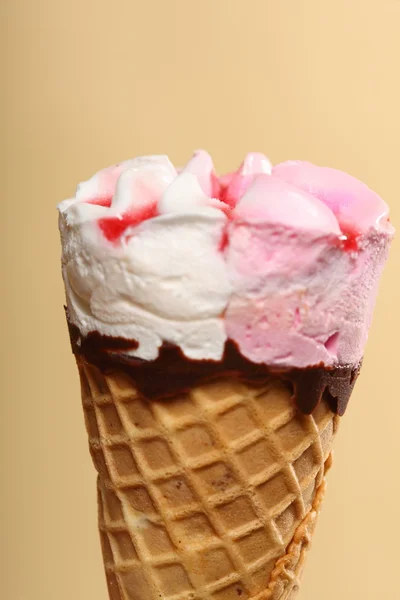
(284, 261)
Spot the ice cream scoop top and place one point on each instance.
(282, 261)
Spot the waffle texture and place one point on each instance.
(211, 495)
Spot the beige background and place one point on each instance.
(87, 83)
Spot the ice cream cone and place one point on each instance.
(212, 494)
(219, 324)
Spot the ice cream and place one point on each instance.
(218, 325)
(282, 261)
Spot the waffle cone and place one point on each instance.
(211, 495)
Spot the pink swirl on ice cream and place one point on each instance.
(284, 261)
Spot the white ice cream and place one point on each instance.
(163, 280)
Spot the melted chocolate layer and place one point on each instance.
(172, 372)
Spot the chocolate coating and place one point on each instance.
(172, 372)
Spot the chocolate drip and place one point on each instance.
(172, 372)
